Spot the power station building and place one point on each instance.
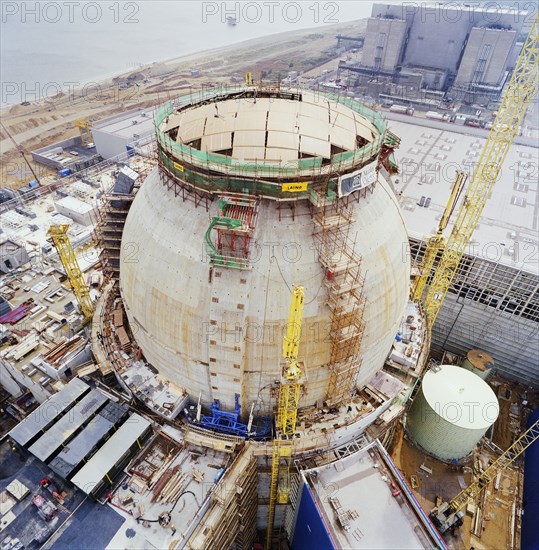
(467, 49)
(257, 192)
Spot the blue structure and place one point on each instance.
(529, 537)
(228, 423)
(310, 530)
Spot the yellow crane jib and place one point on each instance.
(58, 234)
(436, 242)
(289, 391)
(514, 105)
(293, 328)
(449, 514)
(287, 411)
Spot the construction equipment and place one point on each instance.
(287, 410)
(20, 148)
(514, 104)
(436, 242)
(84, 126)
(249, 79)
(290, 386)
(58, 234)
(448, 515)
(45, 509)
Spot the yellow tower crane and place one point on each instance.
(436, 242)
(58, 234)
(514, 104)
(287, 410)
(449, 514)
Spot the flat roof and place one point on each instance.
(110, 453)
(77, 449)
(48, 411)
(127, 124)
(449, 388)
(428, 159)
(67, 425)
(355, 497)
(84, 443)
(75, 205)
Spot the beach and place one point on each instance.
(34, 125)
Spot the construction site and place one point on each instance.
(246, 329)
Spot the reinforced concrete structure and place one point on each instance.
(257, 191)
(467, 49)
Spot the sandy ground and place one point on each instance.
(446, 482)
(38, 124)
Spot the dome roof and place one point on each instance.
(271, 128)
(460, 397)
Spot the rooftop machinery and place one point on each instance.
(58, 234)
(287, 410)
(449, 515)
(515, 102)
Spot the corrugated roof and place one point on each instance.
(110, 453)
(66, 426)
(48, 411)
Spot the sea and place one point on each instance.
(52, 46)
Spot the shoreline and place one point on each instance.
(269, 57)
(173, 63)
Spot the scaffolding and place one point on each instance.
(344, 283)
(235, 226)
(200, 175)
(109, 229)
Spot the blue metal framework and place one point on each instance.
(228, 423)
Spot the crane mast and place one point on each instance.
(58, 234)
(514, 104)
(436, 242)
(449, 514)
(287, 410)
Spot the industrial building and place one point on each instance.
(465, 50)
(493, 302)
(229, 343)
(246, 194)
(339, 505)
(12, 256)
(84, 436)
(118, 134)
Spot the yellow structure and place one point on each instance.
(514, 104)
(287, 410)
(58, 234)
(436, 242)
(85, 130)
(448, 514)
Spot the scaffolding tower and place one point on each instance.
(109, 229)
(344, 283)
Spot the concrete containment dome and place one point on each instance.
(451, 412)
(257, 191)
